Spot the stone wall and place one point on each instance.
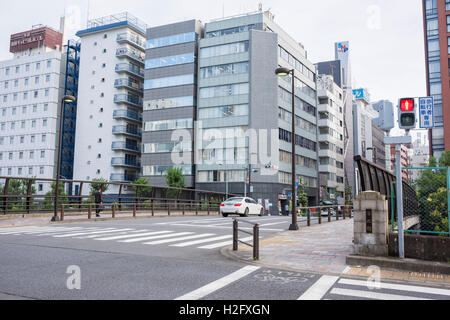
(431, 248)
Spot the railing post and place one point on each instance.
(235, 235)
(256, 242)
(134, 210)
(168, 208)
(113, 211)
(209, 208)
(30, 184)
(196, 209)
(320, 216)
(329, 214)
(184, 209)
(309, 217)
(337, 214)
(343, 213)
(153, 208)
(62, 213)
(90, 211)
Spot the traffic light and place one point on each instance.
(407, 114)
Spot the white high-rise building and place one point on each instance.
(31, 87)
(109, 116)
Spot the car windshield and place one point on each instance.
(234, 200)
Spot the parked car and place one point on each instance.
(324, 211)
(241, 206)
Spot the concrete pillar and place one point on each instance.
(371, 224)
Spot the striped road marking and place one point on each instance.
(180, 239)
(223, 244)
(90, 233)
(156, 237)
(319, 289)
(372, 295)
(218, 284)
(192, 243)
(133, 235)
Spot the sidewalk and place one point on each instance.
(321, 249)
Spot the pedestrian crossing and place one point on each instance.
(335, 288)
(175, 239)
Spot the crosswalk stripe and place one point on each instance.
(192, 243)
(60, 232)
(115, 233)
(219, 227)
(398, 287)
(89, 233)
(319, 289)
(372, 295)
(272, 224)
(36, 230)
(218, 284)
(223, 244)
(128, 235)
(156, 237)
(180, 239)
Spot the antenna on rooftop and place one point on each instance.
(260, 7)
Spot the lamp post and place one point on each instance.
(285, 72)
(65, 99)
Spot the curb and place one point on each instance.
(228, 253)
(413, 265)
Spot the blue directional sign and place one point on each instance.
(426, 112)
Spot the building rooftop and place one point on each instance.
(113, 20)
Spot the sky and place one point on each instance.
(386, 36)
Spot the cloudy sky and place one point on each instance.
(386, 36)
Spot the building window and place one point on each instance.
(41, 170)
(36, 80)
(42, 154)
(47, 78)
(44, 138)
(45, 107)
(44, 122)
(27, 68)
(33, 139)
(38, 66)
(169, 81)
(49, 64)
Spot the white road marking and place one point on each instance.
(40, 230)
(54, 232)
(128, 235)
(113, 233)
(219, 227)
(372, 295)
(347, 269)
(90, 233)
(218, 284)
(398, 287)
(223, 244)
(192, 243)
(272, 224)
(180, 239)
(156, 237)
(319, 289)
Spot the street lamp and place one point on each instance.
(285, 72)
(65, 99)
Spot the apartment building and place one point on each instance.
(109, 118)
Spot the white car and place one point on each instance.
(241, 206)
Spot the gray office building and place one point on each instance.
(241, 118)
(170, 92)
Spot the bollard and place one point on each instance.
(153, 209)
(184, 209)
(196, 209)
(329, 214)
(343, 213)
(90, 211)
(337, 213)
(320, 216)
(309, 217)
(256, 242)
(62, 213)
(209, 209)
(168, 209)
(113, 211)
(235, 235)
(134, 211)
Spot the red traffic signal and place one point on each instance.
(407, 104)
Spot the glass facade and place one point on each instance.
(286, 56)
(225, 49)
(170, 61)
(171, 40)
(224, 69)
(225, 32)
(224, 111)
(168, 103)
(223, 91)
(161, 170)
(169, 125)
(169, 82)
(167, 147)
(286, 96)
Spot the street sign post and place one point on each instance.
(426, 113)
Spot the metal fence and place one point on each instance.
(20, 195)
(427, 211)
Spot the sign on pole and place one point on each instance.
(426, 112)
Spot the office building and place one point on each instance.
(170, 100)
(109, 118)
(32, 83)
(436, 15)
(331, 138)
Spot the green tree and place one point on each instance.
(175, 179)
(348, 195)
(99, 185)
(302, 194)
(142, 192)
(18, 188)
(49, 199)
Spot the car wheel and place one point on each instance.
(245, 213)
(225, 215)
(261, 213)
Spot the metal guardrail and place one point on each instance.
(255, 236)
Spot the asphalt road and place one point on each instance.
(161, 259)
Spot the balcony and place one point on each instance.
(128, 53)
(129, 131)
(129, 99)
(132, 40)
(123, 146)
(128, 84)
(118, 177)
(123, 162)
(127, 115)
(130, 69)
